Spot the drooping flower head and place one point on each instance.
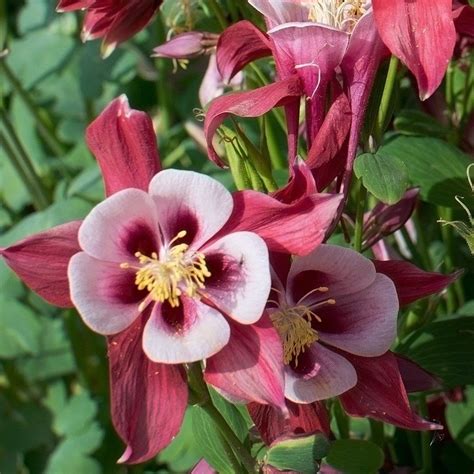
(332, 302)
(113, 20)
(154, 254)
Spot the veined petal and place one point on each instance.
(104, 294)
(362, 323)
(148, 400)
(70, 5)
(331, 375)
(248, 104)
(293, 228)
(250, 366)
(190, 201)
(190, 332)
(239, 45)
(41, 261)
(421, 34)
(303, 419)
(380, 394)
(240, 277)
(281, 11)
(120, 226)
(411, 282)
(124, 143)
(340, 269)
(415, 378)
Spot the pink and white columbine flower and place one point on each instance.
(155, 253)
(332, 303)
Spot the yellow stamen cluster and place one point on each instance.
(340, 14)
(296, 332)
(167, 279)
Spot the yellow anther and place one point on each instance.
(166, 279)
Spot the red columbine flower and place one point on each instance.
(148, 398)
(113, 20)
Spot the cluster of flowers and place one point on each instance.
(174, 269)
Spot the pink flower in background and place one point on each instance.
(154, 254)
(113, 20)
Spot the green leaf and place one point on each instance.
(298, 454)
(445, 348)
(19, 330)
(385, 176)
(434, 165)
(213, 447)
(460, 421)
(355, 456)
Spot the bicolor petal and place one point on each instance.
(192, 202)
(187, 333)
(240, 278)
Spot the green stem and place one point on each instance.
(386, 98)
(200, 387)
(43, 126)
(377, 433)
(342, 421)
(31, 182)
(359, 223)
(426, 457)
(422, 244)
(218, 13)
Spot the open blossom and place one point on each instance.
(154, 253)
(115, 21)
(332, 303)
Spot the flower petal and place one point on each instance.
(277, 12)
(303, 419)
(190, 201)
(124, 143)
(380, 394)
(120, 226)
(240, 277)
(340, 269)
(248, 104)
(421, 34)
(239, 45)
(148, 400)
(104, 294)
(190, 332)
(292, 228)
(411, 282)
(51, 250)
(250, 367)
(363, 323)
(332, 375)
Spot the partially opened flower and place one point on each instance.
(115, 21)
(332, 303)
(154, 253)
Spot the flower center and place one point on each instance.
(167, 278)
(340, 14)
(294, 325)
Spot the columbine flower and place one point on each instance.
(148, 399)
(332, 303)
(155, 253)
(115, 21)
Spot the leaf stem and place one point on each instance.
(218, 13)
(43, 126)
(31, 181)
(426, 457)
(359, 222)
(386, 98)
